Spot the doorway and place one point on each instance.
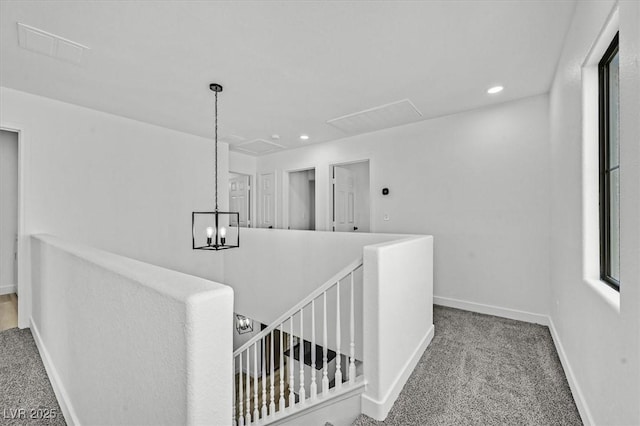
(240, 198)
(302, 200)
(8, 229)
(351, 199)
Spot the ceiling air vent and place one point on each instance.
(232, 139)
(40, 41)
(378, 118)
(258, 147)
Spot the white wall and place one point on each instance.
(597, 330)
(126, 342)
(398, 317)
(242, 163)
(275, 269)
(478, 181)
(117, 184)
(8, 210)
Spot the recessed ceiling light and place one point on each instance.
(304, 137)
(494, 90)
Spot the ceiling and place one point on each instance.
(287, 67)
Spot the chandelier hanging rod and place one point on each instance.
(216, 88)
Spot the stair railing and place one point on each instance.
(262, 408)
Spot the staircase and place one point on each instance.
(305, 360)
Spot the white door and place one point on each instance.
(344, 203)
(267, 196)
(239, 199)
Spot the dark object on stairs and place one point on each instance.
(307, 354)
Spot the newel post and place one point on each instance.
(370, 327)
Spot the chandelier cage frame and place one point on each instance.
(221, 229)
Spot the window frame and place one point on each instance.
(604, 168)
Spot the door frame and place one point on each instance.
(252, 197)
(331, 203)
(285, 195)
(23, 283)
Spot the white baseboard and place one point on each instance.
(58, 388)
(379, 409)
(7, 289)
(578, 396)
(492, 310)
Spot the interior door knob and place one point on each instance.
(355, 228)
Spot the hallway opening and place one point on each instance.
(8, 229)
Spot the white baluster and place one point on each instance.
(292, 396)
(272, 389)
(281, 400)
(338, 376)
(352, 345)
(263, 364)
(256, 412)
(233, 394)
(247, 416)
(301, 357)
(314, 385)
(240, 408)
(325, 371)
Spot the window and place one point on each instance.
(608, 70)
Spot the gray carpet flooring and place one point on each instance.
(479, 370)
(24, 383)
(484, 370)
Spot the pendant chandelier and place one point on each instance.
(215, 230)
